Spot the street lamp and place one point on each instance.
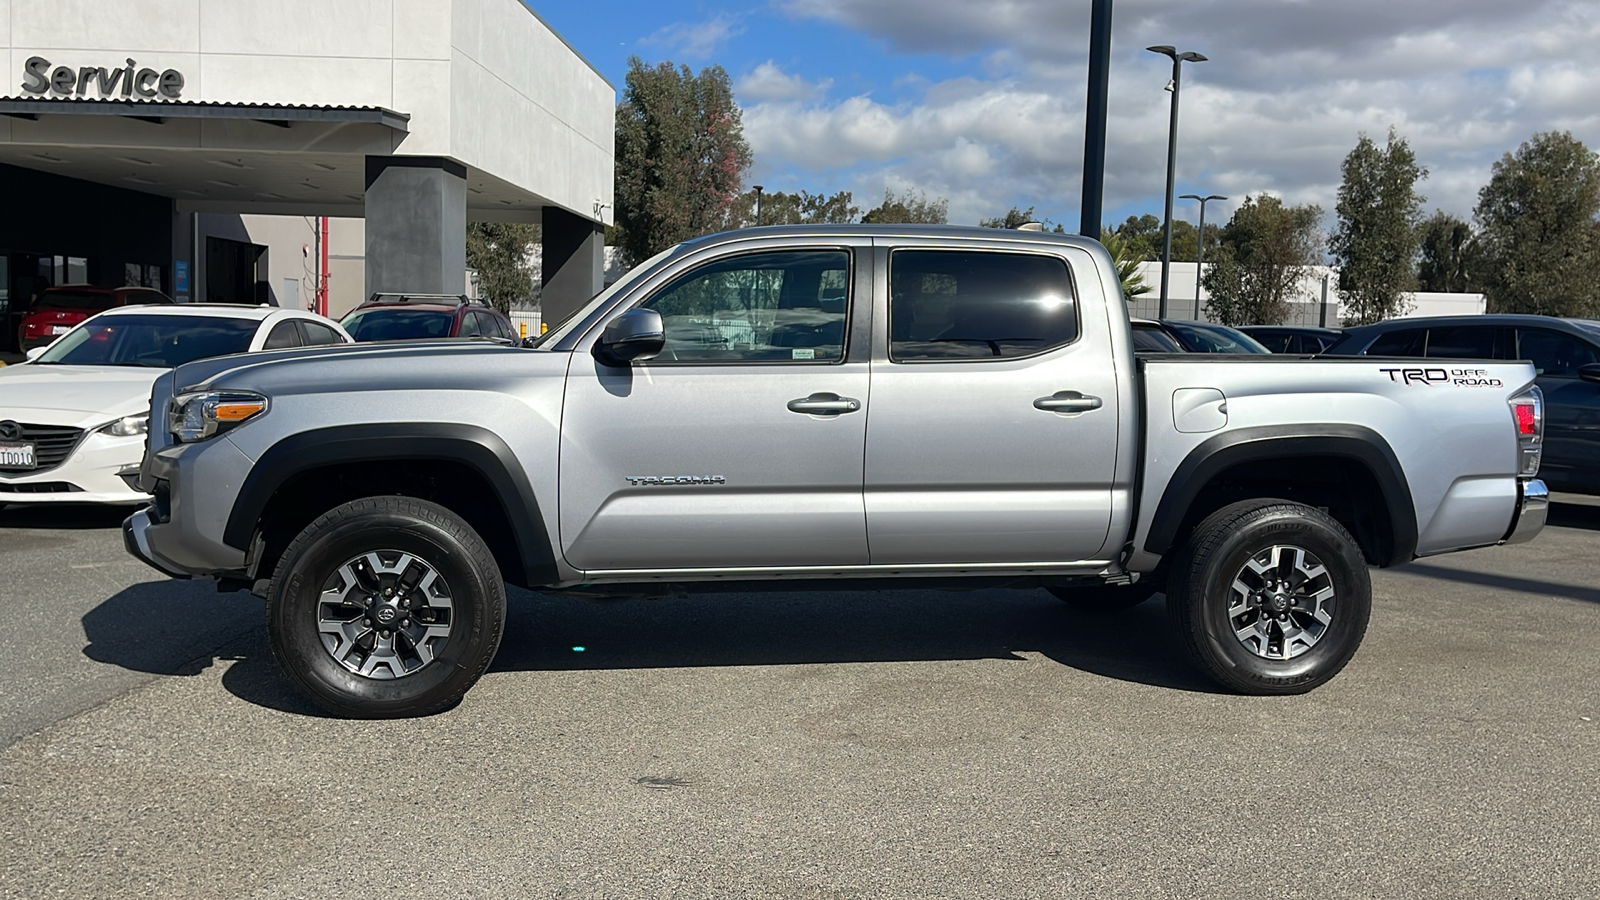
(1200, 245)
(758, 205)
(1178, 59)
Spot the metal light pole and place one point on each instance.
(1178, 59)
(758, 204)
(1200, 245)
(1094, 119)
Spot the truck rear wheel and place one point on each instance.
(386, 607)
(1270, 597)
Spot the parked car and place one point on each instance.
(1300, 339)
(411, 317)
(58, 309)
(1566, 359)
(1205, 337)
(1150, 337)
(73, 419)
(973, 415)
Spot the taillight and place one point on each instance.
(1527, 410)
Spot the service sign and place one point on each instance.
(126, 81)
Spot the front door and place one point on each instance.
(740, 445)
(993, 436)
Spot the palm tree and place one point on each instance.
(1127, 263)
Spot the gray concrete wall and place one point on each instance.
(416, 225)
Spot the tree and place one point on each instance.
(1537, 236)
(1142, 234)
(1446, 245)
(802, 208)
(1127, 263)
(911, 208)
(1186, 240)
(498, 252)
(1012, 219)
(1376, 240)
(1265, 251)
(681, 155)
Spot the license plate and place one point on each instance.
(17, 456)
(60, 329)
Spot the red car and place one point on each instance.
(411, 317)
(58, 309)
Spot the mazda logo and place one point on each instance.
(10, 431)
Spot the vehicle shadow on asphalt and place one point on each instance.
(544, 633)
(66, 515)
(1574, 515)
(180, 628)
(1505, 582)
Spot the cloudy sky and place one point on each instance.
(981, 101)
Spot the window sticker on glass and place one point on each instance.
(804, 354)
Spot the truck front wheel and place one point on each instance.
(1270, 597)
(386, 607)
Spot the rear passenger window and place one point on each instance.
(952, 304)
(782, 306)
(1405, 342)
(283, 336)
(1556, 354)
(1462, 342)
(317, 334)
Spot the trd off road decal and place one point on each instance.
(1457, 377)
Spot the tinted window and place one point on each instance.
(949, 304)
(1553, 353)
(1462, 342)
(767, 307)
(153, 341)
(389, 324)
(1277, 341)
(95, 301)
(284, 335)
(470, 326)
(316, 333)
(1153, 340)
(1404, 342)
(1213, 338)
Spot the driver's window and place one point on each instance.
(1555, 354)
(781, 306)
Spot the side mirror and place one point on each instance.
(634, 335)
(1590, 373)
(37, 352)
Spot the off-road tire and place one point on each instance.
(1200, 589)
(433, 533)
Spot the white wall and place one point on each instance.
(1304, 302)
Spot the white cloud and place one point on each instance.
(697, 40)
(1289, 87)
(768, 82)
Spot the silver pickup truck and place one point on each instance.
(822, 407)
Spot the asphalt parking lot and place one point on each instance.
(991, 744)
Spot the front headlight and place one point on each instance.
(127, 426)
(206, 414)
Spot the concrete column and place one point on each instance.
(574, 262)
(416, 222)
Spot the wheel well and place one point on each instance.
(1344, 487)
(456, 486)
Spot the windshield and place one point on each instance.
(560, 329)
(93, 301)
(395, 324)
(1151, 339)
(157, 342)
(1214, 338)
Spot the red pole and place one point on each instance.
(322, 269)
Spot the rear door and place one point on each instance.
(1571, 457)
(740, 446)
(993, 434)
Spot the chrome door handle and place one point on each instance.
(1067, 401)
(824, 404)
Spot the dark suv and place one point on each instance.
(1565, 353)
(411, 317)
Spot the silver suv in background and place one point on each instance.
(824, 407)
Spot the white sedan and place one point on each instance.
(73, 418)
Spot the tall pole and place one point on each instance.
(1200, 245)
(758, 205)
(1172, 178)
(1094, 125)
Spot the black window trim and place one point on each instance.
(1072, 282)
(849, 308)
